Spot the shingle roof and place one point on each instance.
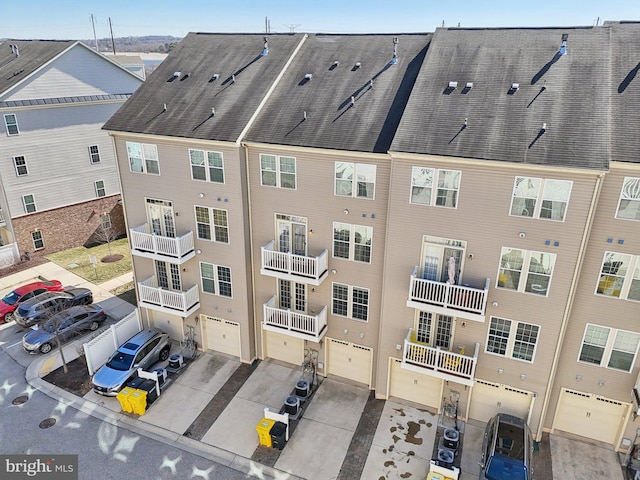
(378, 88)
(625, 92)
(32, 55)
(568, 94)
(190, 97)
(57, 100)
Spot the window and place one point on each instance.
(619, 276)
(277, 171)
(11, 122)
(216, 279)
(100, 190)
(352, 242)
(433, 329)
(554, 194)
(29, 202)
(38, 241)
(94, 154)
(220, 231)
(629, 204)
(20, 164)
(211, 171)
(363, 174)
(143, 158)
(609, 347)
(349, 301)
(512, 339)
(105, 221)
(445, 193)
(525, 271)
(168, 275)
(292, 299)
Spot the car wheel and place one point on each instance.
(164, 354)
(9, 317)
(94, 326)
(46, 348)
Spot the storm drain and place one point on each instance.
(20, 400)
(47, 422)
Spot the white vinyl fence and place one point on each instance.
(99, 349)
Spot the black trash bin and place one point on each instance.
(278, 435)
(146, 385)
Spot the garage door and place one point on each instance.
(222, 335)
(284, 348)
(590, 415)
(414, 386)
(489, 398)
(349, 360)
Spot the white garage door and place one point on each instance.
(590, 415)
(414, 386)
(222, 335)
(284, 348)
(489, 398)
(349, 360)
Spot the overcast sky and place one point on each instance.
(66, 19)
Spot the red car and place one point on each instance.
(11, 300)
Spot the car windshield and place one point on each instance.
(505, 468)
(49, 327)
(120, 361)
(11, 298)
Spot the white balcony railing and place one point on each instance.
(296, 324)
(3, 222)
(461, 301)
(434, 361)
(182, 303)
(289, 266)
(144, 243)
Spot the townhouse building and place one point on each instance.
(435, 216)
(58, 175)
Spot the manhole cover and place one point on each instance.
(47, 422)
(20, 400)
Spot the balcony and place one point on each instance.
(295, 324)
(181, 303)
(296, 268)
(436, 362)
(460, 301)
(146, 244)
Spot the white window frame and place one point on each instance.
(609, 346)
(630, 195)
(217, 230)
(206, 162)
(348, 176)
(148, 157)
(433, 181)
(23, 166)
(99, 189)
(94, 156)
(351, 301)
(611, 279)
(353, 230)
(216, 278)
(280, 173)
(512, 339)
(26, 204)
(11, 125)
(526, 270)
(540, 192)
(105, 221)
(34, 234)
(429, 328)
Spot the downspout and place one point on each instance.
(569, 306)
(253, 281)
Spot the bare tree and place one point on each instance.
(106, 233)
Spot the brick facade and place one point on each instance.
(68, 227)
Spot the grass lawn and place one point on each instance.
(77, 260)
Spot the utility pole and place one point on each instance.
(113, 43)
(93, 24)
(267, 25)
(292, 28)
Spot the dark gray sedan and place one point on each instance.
(67, 324)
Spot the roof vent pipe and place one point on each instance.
(213, 111)
(353, 101)
(164, 107)
(233, 78)
(15, 50)
(563, 46)
(265, 51)
(394, 60)
(304, 115)
(11, 47)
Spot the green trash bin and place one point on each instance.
(278, 435)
